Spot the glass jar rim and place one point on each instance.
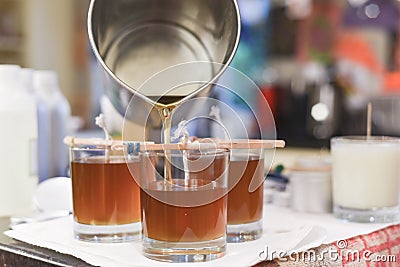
(178, 152)
(363, 139)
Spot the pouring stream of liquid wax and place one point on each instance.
(166, 113)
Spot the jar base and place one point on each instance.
(200, 251)
(107, 233)
(373, 215)
(238, 233)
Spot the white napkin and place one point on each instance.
(277, 218)
(57, 235)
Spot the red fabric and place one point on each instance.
(382, 242)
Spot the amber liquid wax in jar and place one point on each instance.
(203, 219)
(104, 191)
(170, 223)
(245, 200)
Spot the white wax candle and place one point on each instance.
(365, 173)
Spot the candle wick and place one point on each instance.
(369, 119)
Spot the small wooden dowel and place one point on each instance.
(198, 144)
(76, 141)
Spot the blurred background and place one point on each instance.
(318, 63)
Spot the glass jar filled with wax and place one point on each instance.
(366, 178)
(184, 212)
(246, 175)
(245, 198)
(106, 198)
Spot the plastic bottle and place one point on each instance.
(55, 118)
(26, 83)
(26, 78)
(43, 121)
(18, 144)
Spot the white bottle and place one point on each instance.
(26, 84)
(44, 133)
(18, 144)
(58, 114)
(26, 80)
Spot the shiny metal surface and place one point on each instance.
(135, 39)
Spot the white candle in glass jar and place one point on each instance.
(365, 172)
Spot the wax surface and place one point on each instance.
(365, 175)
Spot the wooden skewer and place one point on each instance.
(200, 144)
(244, 143)
(369, 120)
(75, 141)
(266, 144)
(253, 143)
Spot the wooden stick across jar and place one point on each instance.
(207, 143)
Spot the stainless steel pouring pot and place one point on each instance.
(135, 39)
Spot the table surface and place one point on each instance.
(16, 253)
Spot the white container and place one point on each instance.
(44, 141)
(366, 178)
(53, 119)
(311, 186)
(26, 84)
(43, 120)
(26, 79)
(18, 144)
